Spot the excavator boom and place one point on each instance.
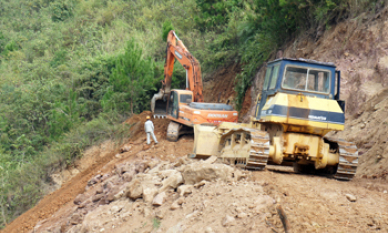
(177, 50)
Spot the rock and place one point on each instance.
(238, 175)
(140, 167)
(113, 194)
(240, 209)
(108, 186)
(209, 230)
(79, 199)
(85, 203)
(105, 177)
(127, 167)
(172, 182)
(228, 221)
(94, 180)
(211, 159)
(125, 148)
(115, 209)
(174, 206)
(181, 161)
(242, 215)
(127, 177)
(166, 173)
(149, 194)
(194, 214)
(134, 189)
(114, 180)
(97, 197)
(385, 192)
(76, 219)
(351, 197)
(177, 203)
(197, 172)
(200, 184)
(159, 199)
(99, 190)
(159, 214)
(180, 201)
(74, 229)
(185, 189)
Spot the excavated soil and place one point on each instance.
(219, 87)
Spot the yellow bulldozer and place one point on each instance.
(299, 104)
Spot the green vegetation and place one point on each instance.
(156, 223)
(72, 70)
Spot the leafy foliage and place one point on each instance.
(167, 27)
(131, 80)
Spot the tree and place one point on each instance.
(131, 83)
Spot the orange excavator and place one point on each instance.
(185, 108)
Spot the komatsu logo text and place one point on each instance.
(212, 115)
(318, 118)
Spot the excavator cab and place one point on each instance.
(178, 97)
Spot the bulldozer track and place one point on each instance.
(259, 152)
(348, 160)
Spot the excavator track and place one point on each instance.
(348, 160)
(258, 152)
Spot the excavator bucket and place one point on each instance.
(159, 105)
(160, 109)
(206, 140)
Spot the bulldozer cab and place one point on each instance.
(299, 76)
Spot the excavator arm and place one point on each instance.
(177, 50)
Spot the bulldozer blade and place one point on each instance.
(206, 140)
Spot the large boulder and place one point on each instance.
(134, 189)
(173, 180)
(197, 172)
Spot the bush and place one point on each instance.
(132, 82)
(61, 9)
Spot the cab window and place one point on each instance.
(267, 77)
(304, 79)
(274, 77)
(186, 98)
(318, 81)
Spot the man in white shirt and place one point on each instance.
(149, 129)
